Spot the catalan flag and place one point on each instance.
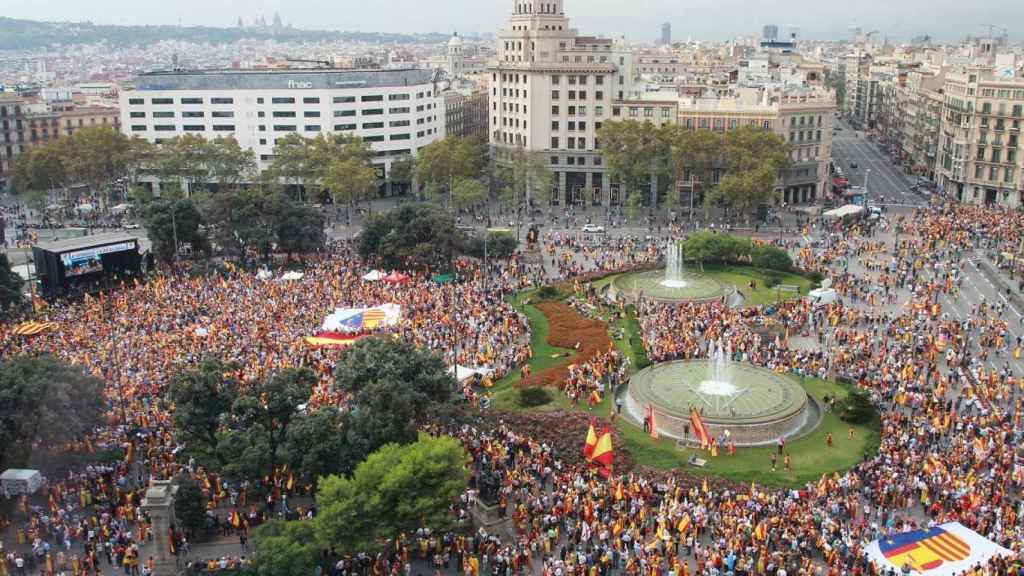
(924, 550)
(32, 328)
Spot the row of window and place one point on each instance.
(282, 99)
(186, 114)
(577, 94)
(993, 173)
(575, 160)
(186, 128)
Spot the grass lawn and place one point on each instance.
(740, 276)
(811, 456)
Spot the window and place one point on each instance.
(634, 111)
(138, 127)
(164, 127)
(398, 123)
(284, 114)
(372, 98)
(556, 79)
(312, 127)
(1008, 174)
(599, 95)
(554, 125)
(193, 128)
(554, 94)
(373, 138)
(259, 100)
(343, 113)
(136, 101)
(220, 114)
(394, 137)
(223, 127)
(583, 126)
(616, 111)
(263, 141)
(284, 128)
(344, 127)
(192, 114)
(163, 114)
(554, 111)
(222, 100)
(138, 114)
(554, 143)
(571, 160)
(372, 125)
(261, 114)
(162, 101)
(311, 114)
(572, 126)
(581, 143)
(666, 112)
(402, 110)
(398, 97)
(373, 112)
(311, 100)
(599, 80)
(344, 99)
(282, 100)
(191, 100)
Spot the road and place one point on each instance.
(885, 180)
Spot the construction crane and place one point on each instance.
(324, 63)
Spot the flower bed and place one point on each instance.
(567, 329)
(563, 431)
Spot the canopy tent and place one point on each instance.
(844, 211)
(17, 481)
(396, 277)
(85, 207)
(264, 274)
(351, 320)
(290, 276)
(373, 276)
(943, 550)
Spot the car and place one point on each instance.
(593, 228)
(132, 226)
(838, 129)
(853, 165)
(465, 228)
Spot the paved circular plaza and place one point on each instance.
(755, 405)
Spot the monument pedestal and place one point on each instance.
(158, 504)
(490, 519)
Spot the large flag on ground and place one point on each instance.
(652, 422)
(699, 429)
(944, 550)
(603, 454)
(591, 442)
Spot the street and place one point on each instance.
(886, 183)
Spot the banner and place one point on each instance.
(944, 550)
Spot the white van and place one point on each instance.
(822, 297)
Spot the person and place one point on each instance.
(775, 461)
(788, 462)
(828, 439)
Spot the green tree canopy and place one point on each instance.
(283, 548)
(374, 359)
(397, 489)
(336, 163)
(441, 163)
(316, 445)
(190, 506)
(167, 219)
(412, 236)
(771, 258)
(202, 399)
(10, 286)
(634, 152)
(298, 227)
(44, 402)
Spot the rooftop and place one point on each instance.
(283, 78)
(87, 242)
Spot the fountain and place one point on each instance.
(674, 284)
(674, 267)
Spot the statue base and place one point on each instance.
(490, 519)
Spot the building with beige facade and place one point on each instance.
(980, 161)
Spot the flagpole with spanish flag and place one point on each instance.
(603, 452)
(652, 422)
(591, 441)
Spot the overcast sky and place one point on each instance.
(639, 20)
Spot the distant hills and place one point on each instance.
(29, 34)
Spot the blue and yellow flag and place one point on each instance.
(924, 550)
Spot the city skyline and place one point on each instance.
(699, 21)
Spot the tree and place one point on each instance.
(695, 151)
(195, 162)
(298, 228)
(403, 171)
(282, 548)
(412, 236)
(442, 162)
(10, 286)
(243, 221)
(397, 489)
(350, 180)
(45, 403)
(771, 258)
(708, 246)
(755, 159)
(202, 397)
(468, 192)
(374, 359)
(316, 446)
(634, 152)
(190, 506)
(522, 176)
(172, 223)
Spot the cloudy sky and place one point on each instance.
(639, 20)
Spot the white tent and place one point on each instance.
(120, 208)
(15, 481)
(463, 373)
(264, 274)
(84, 208)
(844, 211)
(373, 276)
(289, 276)
(944, 550)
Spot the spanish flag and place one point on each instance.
(236, 520)
(652, 422)
(172, 541)
(603, 454)
(591, 441)
(701, 431)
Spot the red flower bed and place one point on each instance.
(564, 432)
(569, 330)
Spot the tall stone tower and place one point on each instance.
(456, 57)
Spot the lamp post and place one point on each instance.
(867, 173)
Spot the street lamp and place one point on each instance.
(867, 173)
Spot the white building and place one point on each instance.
(551, 90)
(456, 60)
(396, 111)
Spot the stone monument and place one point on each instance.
(158, 504)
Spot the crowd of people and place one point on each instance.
(950, 404)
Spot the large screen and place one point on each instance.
(91, 259)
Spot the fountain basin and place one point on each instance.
(757, 406)
(692, 287)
